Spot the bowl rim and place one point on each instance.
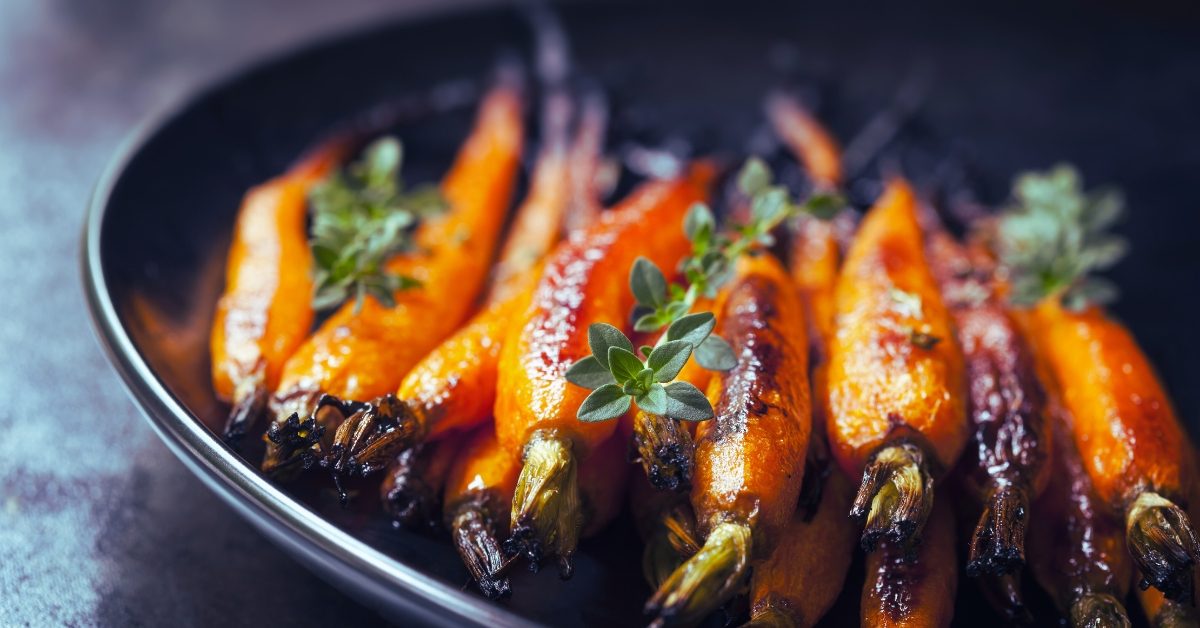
(355, 567)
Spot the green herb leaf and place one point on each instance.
(715, 354)
(647, 283)
(693, 328)
(589, 373)
(668, 359)
(624, 365)
(699, 224)
(754, 177)
(606, 402)
(685, 402)
(824, 206)
(654, 400)
(602, 336)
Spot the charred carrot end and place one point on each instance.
(895, 496)
(404, 495)
(706, 580)
(673, 542)
(1163, 543)
(473, 532)
(369, 436)
(1098, 609)
(245, 414)
(546, 514)
(998, 544)
(665, 451)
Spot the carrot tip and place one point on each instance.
(998, 544)
(895, 496)
(665, 450)
(474, 534)
(1004, 594)
(407, 497)
(245, 415)
(1163, 544)
(369, 436)
(546, 513)
(1098, 609)
(705, 581)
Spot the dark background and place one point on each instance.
(99, 523)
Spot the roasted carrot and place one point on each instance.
(1076, 551)
(587, 171)
(914, 586)
(411, 492)
(1128, 436)
(1005, 464)
(1164, 613)
(667, 526)
(801, 580)
(585, 282)
(895, 374)
(750, 458)
(807, 139)
(602, 479)
(359, 356)
(266, 311)
(478, 493)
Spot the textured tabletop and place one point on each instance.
(99, 523)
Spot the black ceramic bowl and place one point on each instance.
(1019, 87)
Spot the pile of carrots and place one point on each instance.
(886, 398)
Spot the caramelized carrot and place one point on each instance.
(750, 458)
(1005, 462)
(411, 492)
(1076, 551)
(807, 139)
(801, 580)
(602, 479)
(266, 310)
(584, 282)
(895, 374)
(914, 586)
(1128, 436)
(478, 491)
(360, 356)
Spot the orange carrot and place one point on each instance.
(602, 479)
(914, 586)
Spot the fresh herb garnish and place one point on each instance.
(1054, 235)
(620, 376)
(360, 219)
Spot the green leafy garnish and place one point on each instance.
(360, 219)
(619, 376)
(1054, 235)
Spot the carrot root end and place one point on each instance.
(473, 533)
(665, 451)
(1163, 544)
(998, 543)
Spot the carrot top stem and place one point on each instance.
(998, 543)
(1098, 609)
(895, 497)
(370, 436)
(1163, 544)
(473, 532)
(546, 513)
(707, 579)
(665, 450)
(672, 542)
(771, 616)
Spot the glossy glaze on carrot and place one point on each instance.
(266, 310)
(1129, 439)
(359, 356)
(750, 457)
(479, 490)
(1005, 464)
(803, 577)
(914, 587)
(896, 416)
(584, 282)
(1077, 550)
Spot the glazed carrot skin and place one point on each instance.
(602, 480)
(266, 311)
(1077, 551)
(917, 589)
(1129, 439)
(750, 458)
(803, 577)
(411, 492)
(479, 490)
(896, 415)
(1006, 461)
(365, 355)
(584, 282)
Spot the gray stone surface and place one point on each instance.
(99, 523)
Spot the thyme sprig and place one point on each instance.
(620, 376)
(1054, 235)
(360, 219)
